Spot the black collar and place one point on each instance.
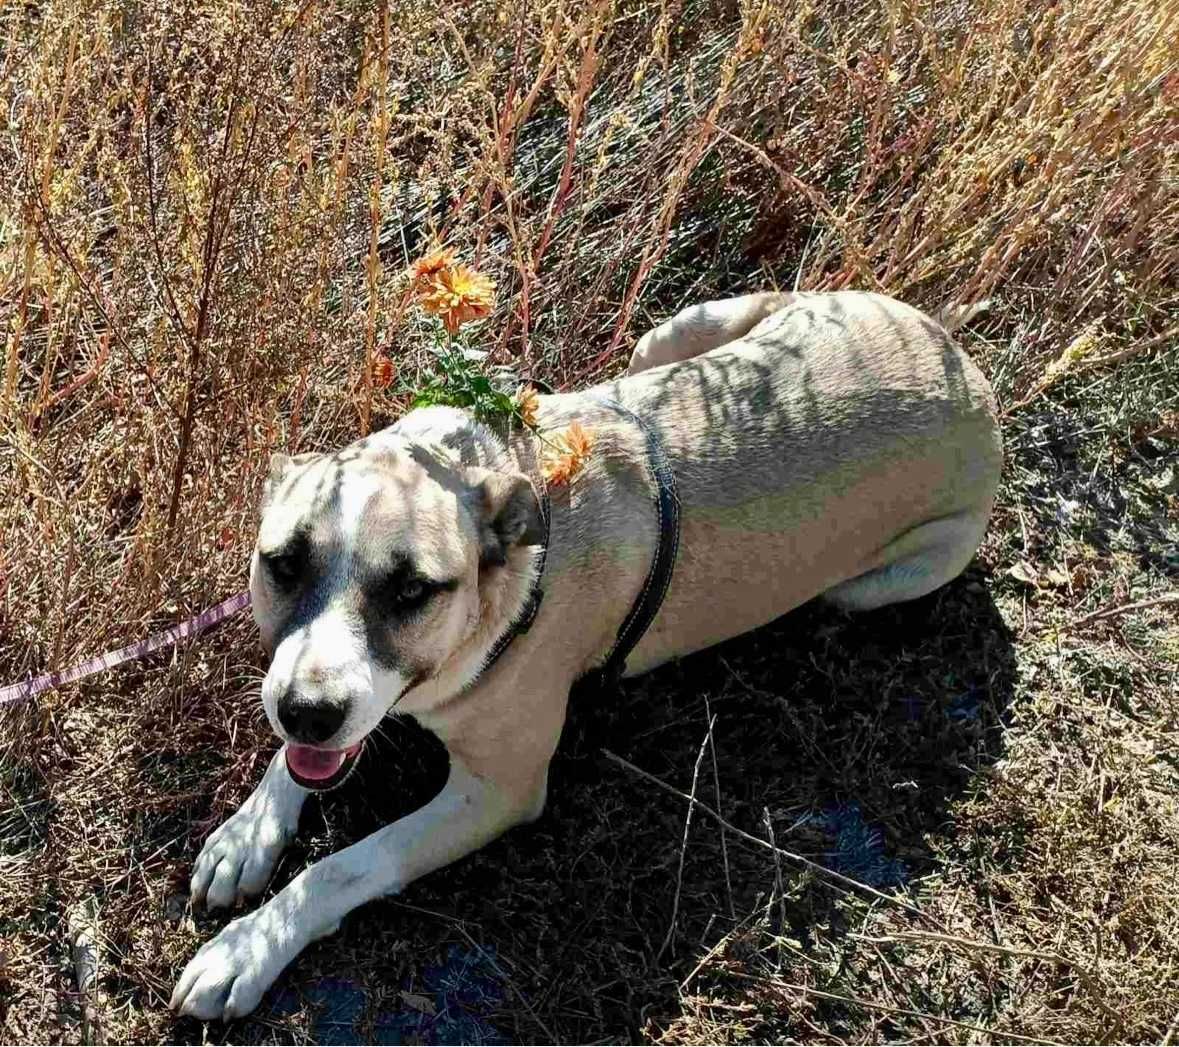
(650, 598)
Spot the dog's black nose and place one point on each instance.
(311, 722)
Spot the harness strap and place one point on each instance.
(650, 598)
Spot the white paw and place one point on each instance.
(229, 974)
(238, 858)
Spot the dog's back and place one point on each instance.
(844, 446)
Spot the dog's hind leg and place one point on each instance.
(918, 562)
(699, 328)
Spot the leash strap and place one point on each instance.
(20, 692)
(641, 615)
(650, 598)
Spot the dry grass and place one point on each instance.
(205, 216)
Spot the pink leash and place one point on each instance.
(20, 692)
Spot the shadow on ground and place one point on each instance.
(856, 734)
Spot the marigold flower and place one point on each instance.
(528, 403)
(567, 454)
(457, 295)
(428, 265)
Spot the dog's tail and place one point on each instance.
(953, 316)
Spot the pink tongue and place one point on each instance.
(314, 764)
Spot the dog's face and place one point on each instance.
(371, 573)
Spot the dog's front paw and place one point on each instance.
(238, 858)
(229, 974)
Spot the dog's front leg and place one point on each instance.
(238, 857)
(228, 976)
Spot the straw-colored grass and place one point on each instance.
(206, 214)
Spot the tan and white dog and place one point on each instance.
(822, 444)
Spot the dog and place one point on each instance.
(760, 452)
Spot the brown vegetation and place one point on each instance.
(209, 209)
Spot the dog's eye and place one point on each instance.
(412, 590)
(285, 569)
(404, 594)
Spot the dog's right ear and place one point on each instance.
(280, 467)
(507, 513)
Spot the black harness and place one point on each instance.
(650, 598)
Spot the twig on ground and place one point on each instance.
(716, 792)
(679, 878)
(86, 957)
(806, 863)
(778, 886)
(968, 944)
(1092, 364)
(718, 948)
(509, 982)
(1170, 1037)
(1110, 612)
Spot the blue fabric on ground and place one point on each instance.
(966, 706)
(859, 848)
(464, 988)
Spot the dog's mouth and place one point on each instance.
(319, 769)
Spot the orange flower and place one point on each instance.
(457, 295)
(383, 372)
(528, 403)
(567, 455)
(425, 267)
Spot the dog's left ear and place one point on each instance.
(506, 512)
(280, 467)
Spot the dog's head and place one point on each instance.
(380, 571)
